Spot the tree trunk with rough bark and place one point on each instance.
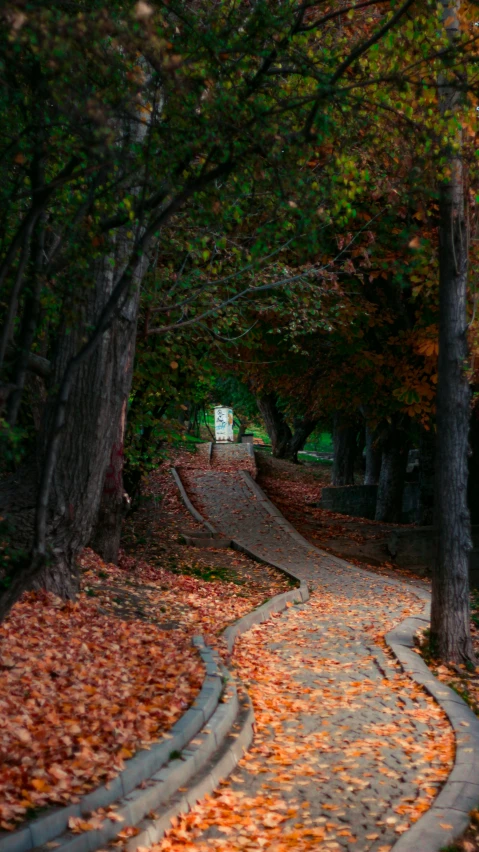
(278, 430)
(344, 448)
(427, 465)
(373, 458)
(114, 502)
(83, 452)
(473, 478)
(394, 455)
(450, 617)
(85, 446)
(302, 430)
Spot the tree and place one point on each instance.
(450, 620)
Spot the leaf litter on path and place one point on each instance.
(345, 757)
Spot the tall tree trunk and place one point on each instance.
(344, 448)
(427, 465)
(276, 426)
(302, 430)
(242, 426)
(395, 448)
(82, 454)
(84, 450)
(450, 619)
(473, 479)
(106, 535)
(373, 457)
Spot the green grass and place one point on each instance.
(320, 443)
(304, 457)
(208, 573)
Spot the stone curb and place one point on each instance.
(460, 793)
(132, 810)
(235, 744)
(263, 613)
(188, 503)
(138, 769)
(448, 816)
(279, 602)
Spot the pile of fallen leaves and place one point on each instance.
(84, 685)
(81, 691)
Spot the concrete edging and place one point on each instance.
(448, 816)
(163, 787)
(276, 604)
(236, 742)
(140, 768)
(459, 794)
(188, 503)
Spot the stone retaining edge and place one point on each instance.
(138, 769)
(189, 504)
(460, 794)
(132, 810)
(235, 744)
(276, 604)
(448, 816)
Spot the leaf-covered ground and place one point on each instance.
(84, 685)
(310, 782)
(296, 490)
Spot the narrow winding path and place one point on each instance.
(348, 751)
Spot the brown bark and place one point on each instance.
(277, 428)
(84, 449)
(344, 448)
(394, 444)
(114, 502)
(302, 430)
(373, 458)
(106, 535)
(427, 464)
(450, 618)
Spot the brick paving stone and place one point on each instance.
(363, 740)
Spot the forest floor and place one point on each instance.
(84, 685)
(296, 490)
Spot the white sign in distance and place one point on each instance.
(224, 424)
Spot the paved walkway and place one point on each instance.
(348, 752)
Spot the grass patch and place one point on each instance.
(208, 573)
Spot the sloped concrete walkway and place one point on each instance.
(348, 752)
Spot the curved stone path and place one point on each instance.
(348, 751)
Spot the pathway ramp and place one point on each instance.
(349, 752)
